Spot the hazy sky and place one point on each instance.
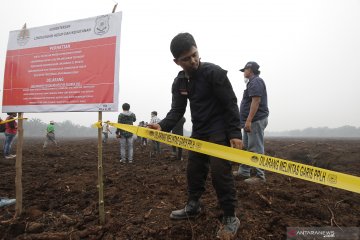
(308, 52)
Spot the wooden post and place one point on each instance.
(18, 163)
(18, 167)
(100, 175)
(100, 168)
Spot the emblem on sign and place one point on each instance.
(101, 25)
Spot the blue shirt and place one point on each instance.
(255, 88)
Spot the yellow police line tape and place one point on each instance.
(278, 165)
(10, 120)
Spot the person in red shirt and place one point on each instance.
(10, 134)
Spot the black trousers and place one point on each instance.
(221, 175)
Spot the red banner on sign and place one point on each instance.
(69, 66)
(68, 73)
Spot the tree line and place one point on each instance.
(320, 132)
(36, 128)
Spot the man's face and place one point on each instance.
(189, 61)
(247, 73)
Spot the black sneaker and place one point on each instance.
(191, 210)
(229, 228)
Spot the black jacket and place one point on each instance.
(179, 127)
(213, 103)
(125, 118)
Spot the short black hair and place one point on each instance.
(126, 106)
(181, 43)
(154, 113)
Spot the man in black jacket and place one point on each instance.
(215, 118)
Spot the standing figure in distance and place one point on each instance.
(155, 144)
(143, 141)
(50, 134)
(106, 130)
(10, 134)
(215, 118)
(126, 138)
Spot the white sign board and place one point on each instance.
(71, 66)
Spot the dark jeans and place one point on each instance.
(221, 175)
(9, 139)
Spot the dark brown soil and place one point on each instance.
(60, 195)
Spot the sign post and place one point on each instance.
(100, 174)
(65, 67)
(18, 167)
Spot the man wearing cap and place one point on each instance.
(254, 114)
(50, 134)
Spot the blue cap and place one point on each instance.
(252, 65)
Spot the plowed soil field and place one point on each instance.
(60, 194)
